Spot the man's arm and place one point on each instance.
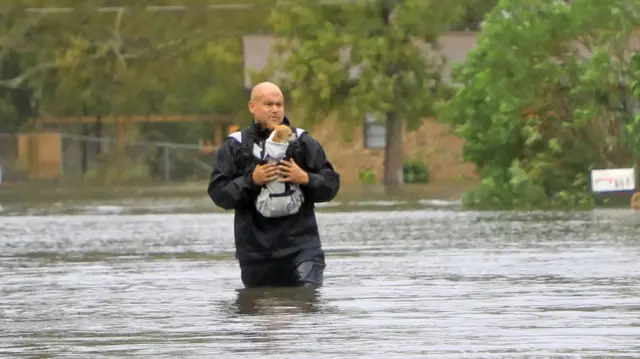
(324, 181)
(226, 189)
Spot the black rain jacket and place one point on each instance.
(231, 187)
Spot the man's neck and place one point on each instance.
(259, 130)
(259, 125)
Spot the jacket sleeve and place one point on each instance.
(324, 181)
(226, 188)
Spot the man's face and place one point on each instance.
(268, 108)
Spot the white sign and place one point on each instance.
(613, 180)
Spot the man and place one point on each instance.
(281, 251)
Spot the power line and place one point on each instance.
(180, 8)
(158, 8)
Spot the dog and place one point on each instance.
(283, 134)
(277, 143)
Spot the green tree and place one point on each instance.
(355, 57)
(550, 92)
(26, 51)
(183, 70)
(475, 11)
(97, 59)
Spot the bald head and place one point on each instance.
(264, 87)
(267, 104)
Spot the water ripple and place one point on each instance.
(436, 283)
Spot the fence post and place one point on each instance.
(120, 145)
(61, 170)
(167, 170)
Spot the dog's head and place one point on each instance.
(283, 134)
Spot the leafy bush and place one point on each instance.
(367, 176)
(415, 171)
(536, 114)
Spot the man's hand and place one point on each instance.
(264, 174)
(291, 172)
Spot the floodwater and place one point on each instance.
(422, 281)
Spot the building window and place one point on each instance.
(375, 131)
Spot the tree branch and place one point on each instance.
(7, 42)
(117, 38)
(17, 81)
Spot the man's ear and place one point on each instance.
(251, 107)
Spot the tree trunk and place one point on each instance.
(393, 176)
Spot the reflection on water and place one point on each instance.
(254, 301)
(430, 282)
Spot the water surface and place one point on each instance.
(427, 280)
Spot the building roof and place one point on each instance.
(257, 50)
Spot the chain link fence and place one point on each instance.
(10, 170)
(69, 158)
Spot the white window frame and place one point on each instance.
(374, 132)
